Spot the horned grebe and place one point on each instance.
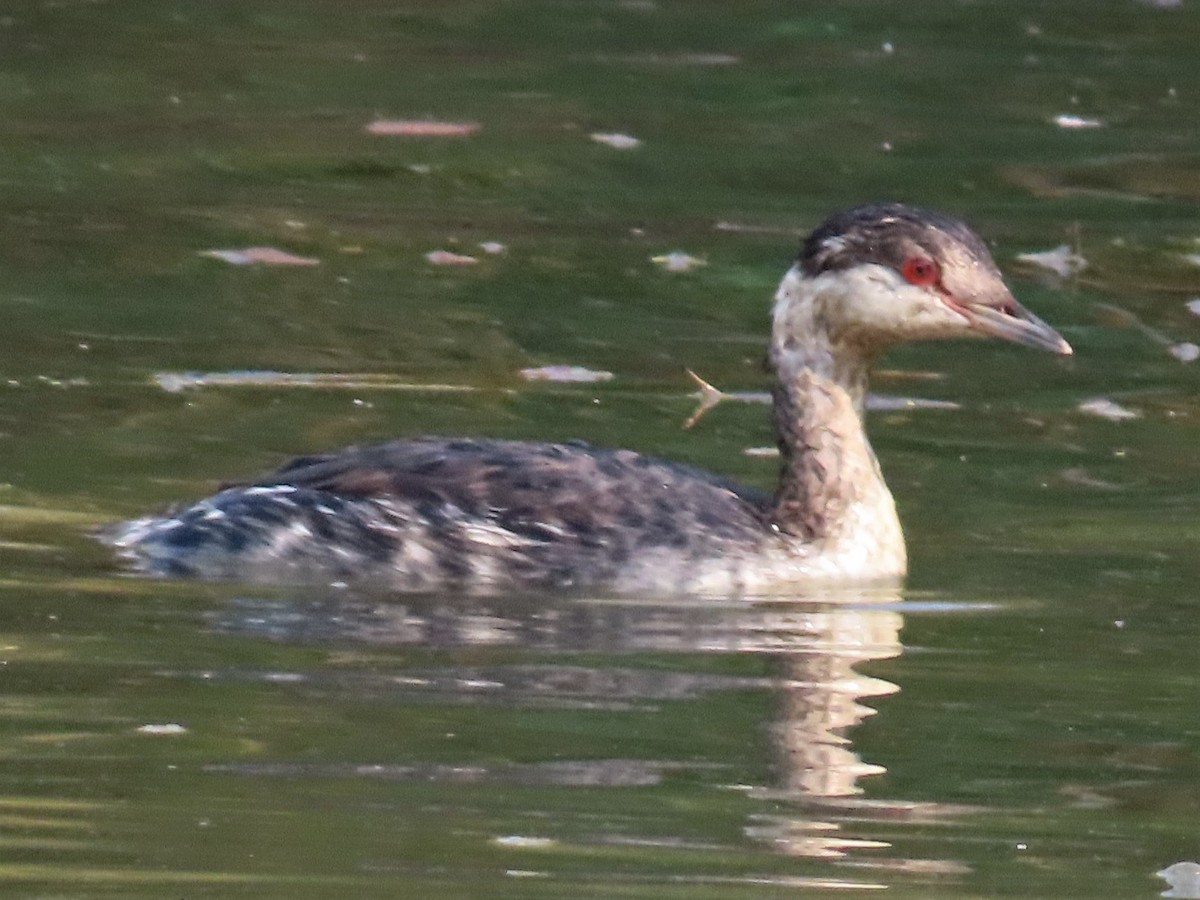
(484, 515)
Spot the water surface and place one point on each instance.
(1019, 721)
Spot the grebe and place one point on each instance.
(485, 515)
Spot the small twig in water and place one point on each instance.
(709, 397)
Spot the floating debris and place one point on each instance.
(59, 382)
(1108, 409)
(745, 228)
(422, 128)
(1193, 258)
(710, 396)
(891, 403)
(523, 841)
(1193, 306)
(1079, 477)
(170, 728)
(761, 452)
(617, 141)
(566, 374)
(449, 258)
(678, 261)
(1062, 260)
(678, 59)
(1184, 879)
(266, 256)
(492, 247)
(1185, 352)
(1070, 121)
(174, 382)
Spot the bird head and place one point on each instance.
(884, 273)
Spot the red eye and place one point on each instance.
(921, 271)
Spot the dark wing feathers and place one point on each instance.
(539, 490)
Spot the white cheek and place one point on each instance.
(874, 297)
(920, 310)
(878, 299)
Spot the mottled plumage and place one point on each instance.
(478, 514)
(433, 512)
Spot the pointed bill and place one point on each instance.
(1013, 322)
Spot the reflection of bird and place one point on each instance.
(481, 514)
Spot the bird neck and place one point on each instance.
(806, 339)
(830, 488)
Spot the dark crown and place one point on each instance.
(887, 234)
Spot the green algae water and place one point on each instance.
(1019, 721)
